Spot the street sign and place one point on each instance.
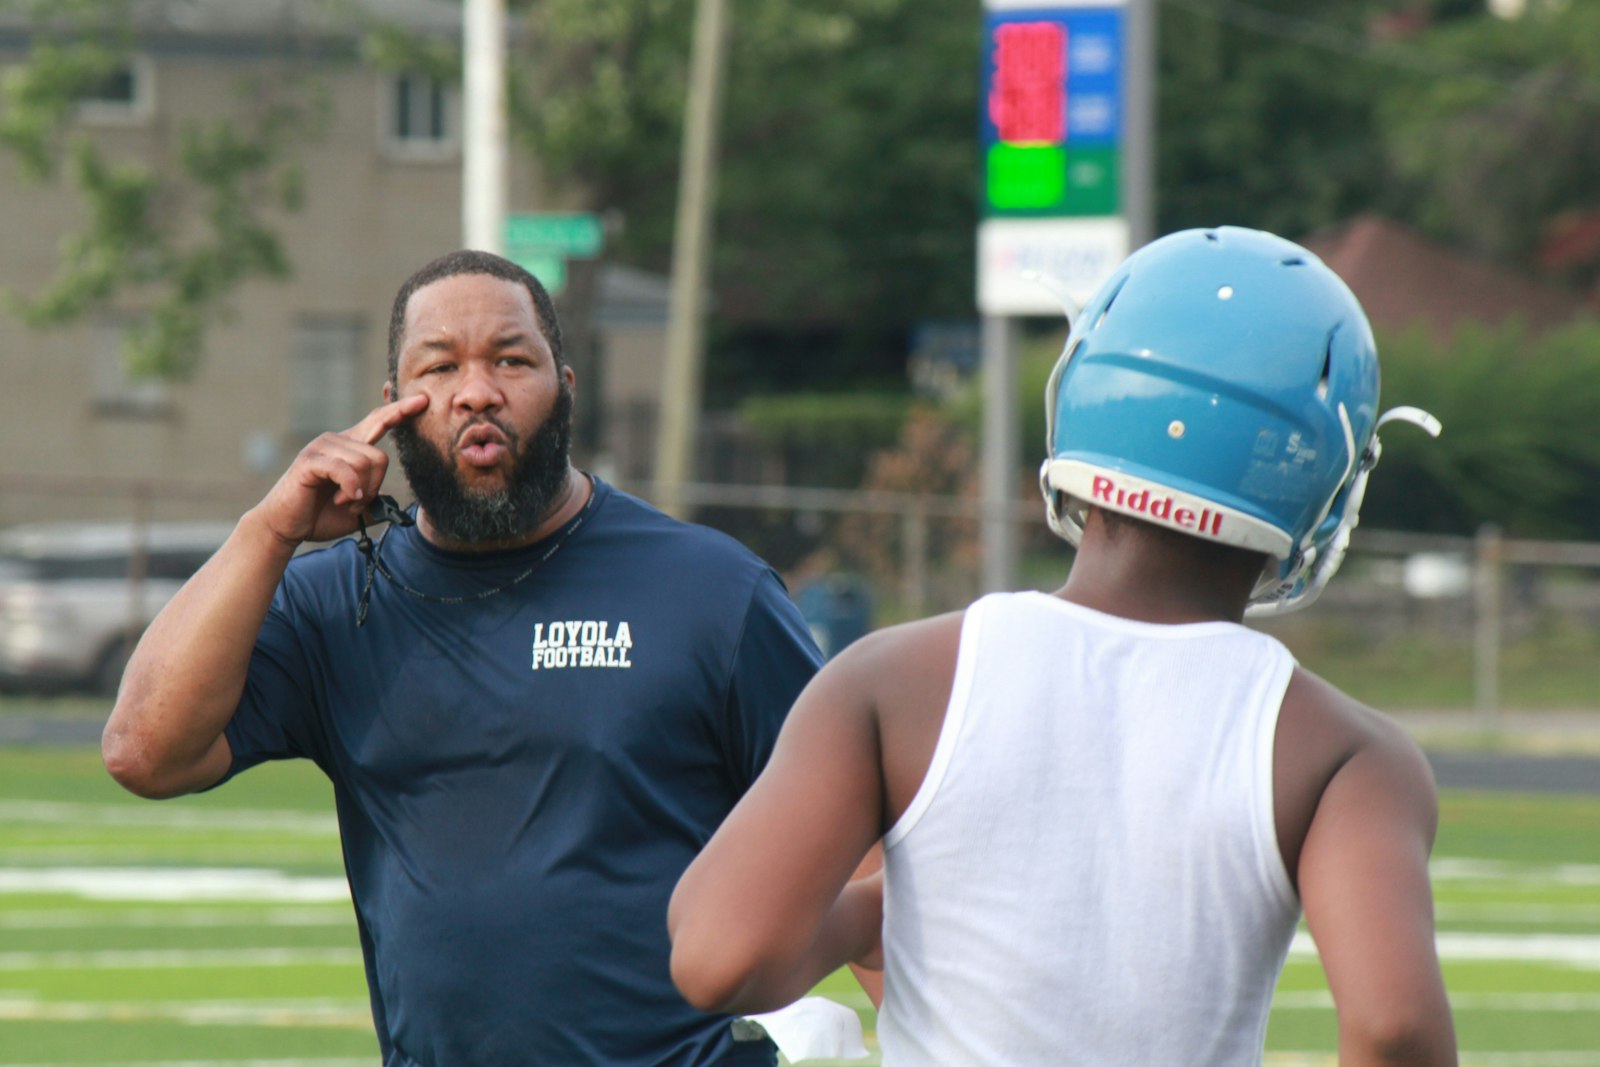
(570, 234)
(548, 267)
(542, 242)
(1051, 127)
(1025, 266)
(1052, 132)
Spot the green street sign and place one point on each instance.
(548, 267)
(570, 234)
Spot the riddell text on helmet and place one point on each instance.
(1163, 509)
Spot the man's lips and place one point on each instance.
(482, 445)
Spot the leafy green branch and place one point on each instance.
(174, 241)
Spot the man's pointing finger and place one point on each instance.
(381, 420)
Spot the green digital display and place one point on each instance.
(1026, 176)
(1052, 179)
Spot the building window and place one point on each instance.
(126, 95)
(326, 385)
(117, 392)
(418, 116)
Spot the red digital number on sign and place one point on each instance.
(1028, 98)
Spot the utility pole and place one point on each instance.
(483, 141)
(691, 248)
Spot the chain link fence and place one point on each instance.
(1478, 622)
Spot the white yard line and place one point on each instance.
(1319, 1000)
(140, 959)
(1548, 1058)
(348, 1012)
(321, 824)
(260, 884)
(158, 918)
(347, 1061)
(1448, 869)
(1572, 950)
(1519, 913)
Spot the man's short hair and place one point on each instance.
(471, 261)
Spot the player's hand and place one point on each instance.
(335, 478)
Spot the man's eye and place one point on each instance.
(440, 368)
(515, 361)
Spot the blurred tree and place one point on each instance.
(1503, 141)
(847, 181)
(182, 239)
(849, 175)
(1266, 114)
(934, 455)
(1518, 447)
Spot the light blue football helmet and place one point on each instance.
(1222, 383)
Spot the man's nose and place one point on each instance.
(479, 391)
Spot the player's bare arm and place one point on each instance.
(868, 969)
(768, 908)
(1360, 813)
(165, 734)
(759, 917)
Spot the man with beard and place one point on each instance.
(535, 702)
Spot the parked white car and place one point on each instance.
(74, 597)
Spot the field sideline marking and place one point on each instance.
(347, 1061)
(139, 959)
(1520, 913)
(1550, 1058)
(260, 884)
(1451, 869)
(1574, 950)
(1307, 1000)
(350, 1012)
(320, 824)
(159, 918)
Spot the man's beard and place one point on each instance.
(495, 516)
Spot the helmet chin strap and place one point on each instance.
(1320, 566)
(1057, 509)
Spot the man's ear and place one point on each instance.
(566, 373)
(388, 392)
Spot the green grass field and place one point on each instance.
(215, 931)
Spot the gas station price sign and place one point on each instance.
(1051, 127)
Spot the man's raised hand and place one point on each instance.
(335, 478)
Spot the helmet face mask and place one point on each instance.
(1222, 383)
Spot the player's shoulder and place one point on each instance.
(903, 650)
(1333, 728)
(1334, 756)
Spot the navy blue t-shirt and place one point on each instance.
(521, 779)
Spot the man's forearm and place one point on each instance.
(184, 679)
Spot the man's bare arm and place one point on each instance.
(165, 734)
(1363, 879)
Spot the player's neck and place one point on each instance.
(1160, 578)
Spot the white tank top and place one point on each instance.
(1090, 872)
